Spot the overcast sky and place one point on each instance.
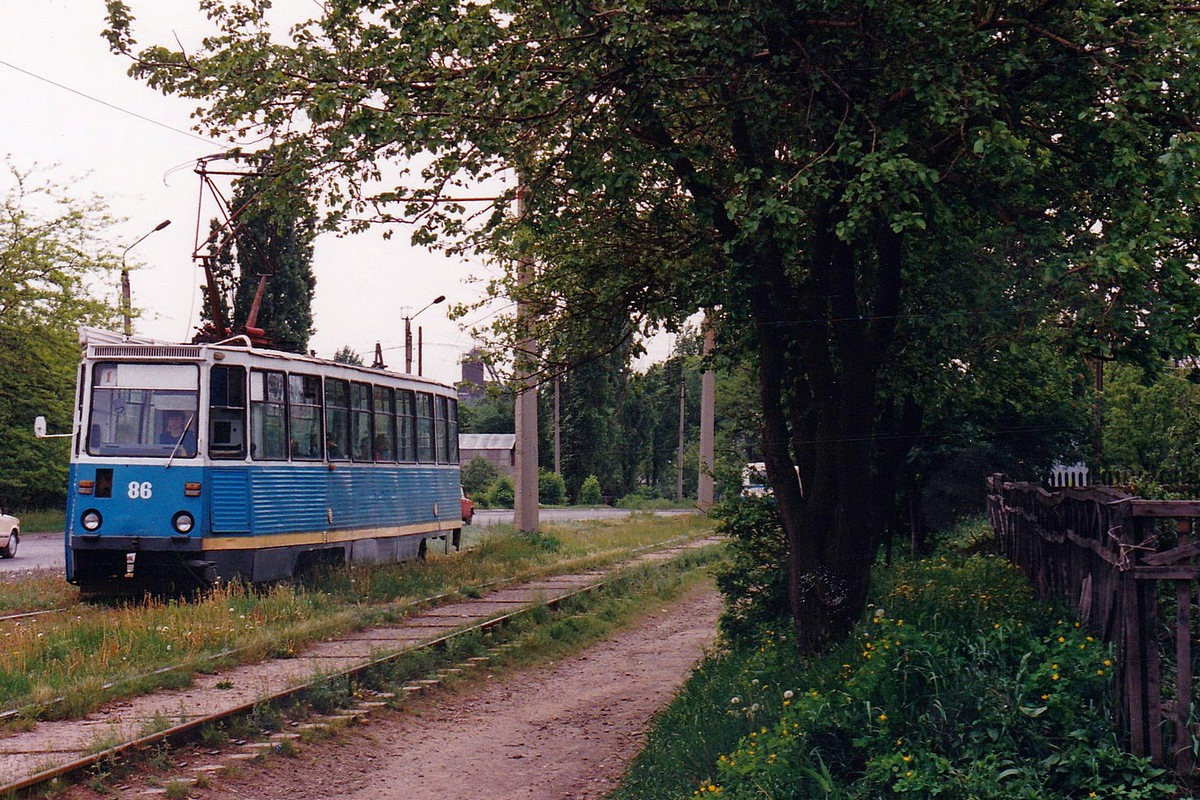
(68, 102)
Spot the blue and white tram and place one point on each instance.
(196, 463)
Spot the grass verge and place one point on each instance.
(959, 684)
(89, 654)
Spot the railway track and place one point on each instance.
(50, 749)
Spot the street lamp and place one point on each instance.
(408, 348)
(126, 307)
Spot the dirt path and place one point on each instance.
(561, 731)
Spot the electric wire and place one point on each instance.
(112, 106)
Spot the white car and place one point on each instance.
(10, 535)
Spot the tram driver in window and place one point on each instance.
(174, 433)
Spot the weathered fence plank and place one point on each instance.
(1105, 552)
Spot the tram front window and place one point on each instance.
(146, 410)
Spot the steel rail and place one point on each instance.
(25, 614)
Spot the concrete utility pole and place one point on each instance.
(525, 502)
(557, 427)
(708, 390)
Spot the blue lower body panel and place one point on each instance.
(251, 522)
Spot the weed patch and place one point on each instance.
(959, 684)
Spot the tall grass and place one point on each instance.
(958, 684)
(41, 521)
(74, 653)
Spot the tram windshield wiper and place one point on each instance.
(187, 427)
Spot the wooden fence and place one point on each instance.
(1130, 568)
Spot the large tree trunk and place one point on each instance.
(822, 408)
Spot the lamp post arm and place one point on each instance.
(126, 302)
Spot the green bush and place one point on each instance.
(478, 475)
(552, 489)
(959, 684)
(645, 497)
(502, 493)
(754, 578)
(589, 492)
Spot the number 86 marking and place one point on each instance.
(141, 491)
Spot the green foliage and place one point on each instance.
(888, 231)
(644, 497)
(589, 492)
(348, 355)
(552, 490)
(958, 684)
(754, 578)
(495, 413)
(1152, 424)
(53, 251)
(595, 439)
(478, 475)
(269, 242)
(502, 493)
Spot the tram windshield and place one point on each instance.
(144, 410)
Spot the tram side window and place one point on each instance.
(451, 450)
(268, 419)
(425, 449)
(439, 428)
(227, 412)
(304, 417)
(383, 446)
(360, 421)
(337, 419)
(406, 407)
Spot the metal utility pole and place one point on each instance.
(708, 389)
(126, 300)
(525, 501)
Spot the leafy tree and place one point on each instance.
(1152, 423)
(842, 180)
(348, 355)
(593, 440)
(53, 251)
(495, 413)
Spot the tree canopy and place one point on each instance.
(876, 197)
(53, 254)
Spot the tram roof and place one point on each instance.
(98, 343)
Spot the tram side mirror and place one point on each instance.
(39, 430)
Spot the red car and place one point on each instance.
(468, 507)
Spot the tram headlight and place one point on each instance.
(183, 522)
(91, 520)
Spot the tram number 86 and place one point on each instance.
(140, 490)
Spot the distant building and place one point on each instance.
(498, 448)
(473, 386)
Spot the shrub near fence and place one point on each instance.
(1108, 555)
